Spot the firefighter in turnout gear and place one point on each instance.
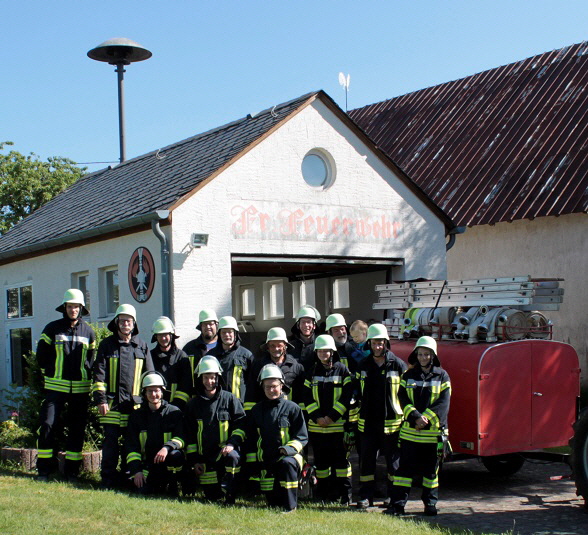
(276, 351)
(346, 349)
(328, 391)
(65, 353)
(210, 419)
(276, 434)
(154, 440)
(424, 395)
(168, 359)
(200, 346)
(380, 413)
(121, 360)
(304, 334)
(235, 360)
(336, 326)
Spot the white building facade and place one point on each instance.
(309, 212)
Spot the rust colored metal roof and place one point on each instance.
(505, 144)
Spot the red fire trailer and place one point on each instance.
(511, 399)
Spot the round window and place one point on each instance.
(317, 169)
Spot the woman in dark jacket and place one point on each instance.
(424, 395)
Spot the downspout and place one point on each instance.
(452, 233)
(165, 263)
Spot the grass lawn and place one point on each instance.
(27, 506)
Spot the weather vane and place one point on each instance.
(344, 82)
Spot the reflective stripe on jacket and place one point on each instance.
(327, 392)
(386, 398)
(209, 423)
(148, 431)
(117, 373)
(424, 394)
(65, 355)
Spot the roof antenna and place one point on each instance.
(344, 82)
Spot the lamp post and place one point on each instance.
(120, 52)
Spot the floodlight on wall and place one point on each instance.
(199, 240)
(120, 52)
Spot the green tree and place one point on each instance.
(26, 183)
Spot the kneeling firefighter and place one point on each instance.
(154, 440)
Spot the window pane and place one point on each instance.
(20, 345)
(26, 301)
(248, 301)
(307, 292)
(277, 300)
(314, 170)
(341, 293)
(12, 308)
(273, 299)
(83, 287)
(111, 291)
(296, 292)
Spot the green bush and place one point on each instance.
(14, 436)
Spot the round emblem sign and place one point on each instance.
(141, 274)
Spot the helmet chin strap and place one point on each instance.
(328, 362)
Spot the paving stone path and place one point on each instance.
(527, 503)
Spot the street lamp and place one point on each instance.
(120, 52)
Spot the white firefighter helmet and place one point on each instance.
(228, 322)
(335, 320)
(308, 311)
(429, 343)
(152, 379)
(377, 331)
(129, 310)
(277, 334)
(163, 325)
(208, 364)
(207, 315)
(325, 341)
(270, 371)
(74, 296)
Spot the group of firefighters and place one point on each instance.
(215, 415)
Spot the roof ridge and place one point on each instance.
(216, 129)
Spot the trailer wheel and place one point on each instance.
(503, 465)
(579, 456)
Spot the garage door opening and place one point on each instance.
(268, 290)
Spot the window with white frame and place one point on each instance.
(341, 293)
(19, 313)
(273, 300)
(19, 302)
(303, 293)
(247, 296)
(109, 290)
(81, 282)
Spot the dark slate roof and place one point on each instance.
(505, 144)
(154, 181)
(128, 195)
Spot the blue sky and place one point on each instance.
(215, 61)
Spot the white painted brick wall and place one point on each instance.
(270, 174)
